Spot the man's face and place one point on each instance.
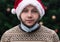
(29, 15)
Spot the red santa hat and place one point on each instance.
(21, 4)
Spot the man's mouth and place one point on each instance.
(29, 21)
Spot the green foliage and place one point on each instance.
(7, 20)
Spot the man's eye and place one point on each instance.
(35, 11)
(25, 11)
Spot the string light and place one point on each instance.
(8, 9)
(56, 30)
(53, 17)
(41, 23)
(46, 8)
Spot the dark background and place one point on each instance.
(51, 18)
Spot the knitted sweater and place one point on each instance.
(43, 34)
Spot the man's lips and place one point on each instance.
(29, 20)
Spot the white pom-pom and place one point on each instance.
(13, 11)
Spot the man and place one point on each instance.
(29, 12)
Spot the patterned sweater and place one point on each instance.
(43, 34)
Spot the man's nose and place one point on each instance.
(29, 14)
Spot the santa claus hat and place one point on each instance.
(21, 4)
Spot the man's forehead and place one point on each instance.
(28, 6)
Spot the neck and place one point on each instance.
(29, 29)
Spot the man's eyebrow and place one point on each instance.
(34, 9)
(25, 8)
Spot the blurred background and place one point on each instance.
(51, 18)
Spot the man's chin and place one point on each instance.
(28, 25)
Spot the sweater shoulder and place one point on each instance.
(47, 30)
(12, 30)
(8, 34)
